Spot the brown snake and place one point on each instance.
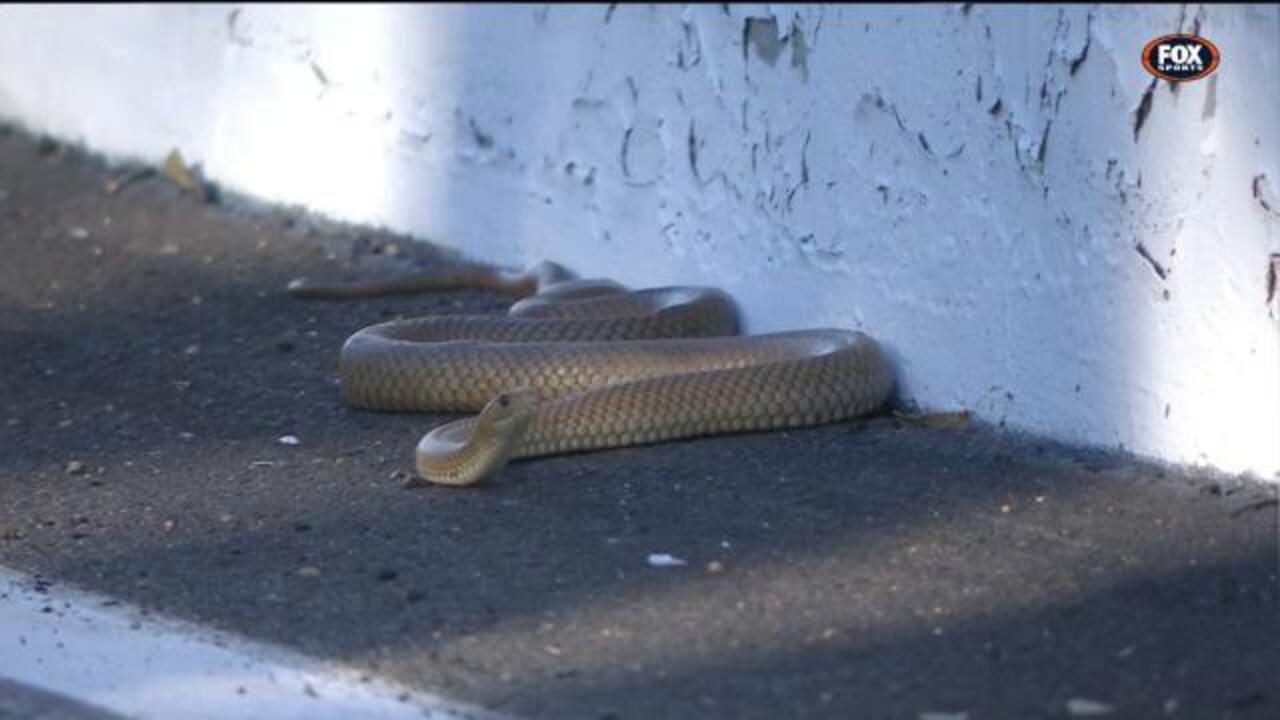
(587, 364)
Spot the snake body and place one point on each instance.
(587, 364)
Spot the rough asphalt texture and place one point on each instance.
(150, 361)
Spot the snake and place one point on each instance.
(580, 365)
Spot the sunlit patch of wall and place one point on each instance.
(132, 81)
(307, 112)
(1206, 349)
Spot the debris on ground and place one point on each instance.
(936, 421)
(1083, 707)
(663, 560)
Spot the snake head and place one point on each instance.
(465, 452)
(498, 432)
(508, 414)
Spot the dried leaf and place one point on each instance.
(176, 169)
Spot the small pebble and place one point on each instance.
(79, 233)
(715, 567)
(288, 440)
(75, 467)
(309, 571)
(1081, 707)
(665, 560)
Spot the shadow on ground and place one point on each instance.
(151, 363)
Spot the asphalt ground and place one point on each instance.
(151, 362)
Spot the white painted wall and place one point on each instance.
(967, 184)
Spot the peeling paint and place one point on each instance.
(761, 35)
(1273, 277)
(799, 52)
(1144, 109)
(1263, 193)
(626, 148)
(481, 138)
(1210, 107)
(1044, 145)
(690, 54)
(233, 33)
(1160, 270)
(319, 73)
(804, 158)
(1074, 67)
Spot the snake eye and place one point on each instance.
(504, 400)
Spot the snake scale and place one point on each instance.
(581, 365)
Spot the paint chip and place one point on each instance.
(1144, 109)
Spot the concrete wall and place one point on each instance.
(1038, 230)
